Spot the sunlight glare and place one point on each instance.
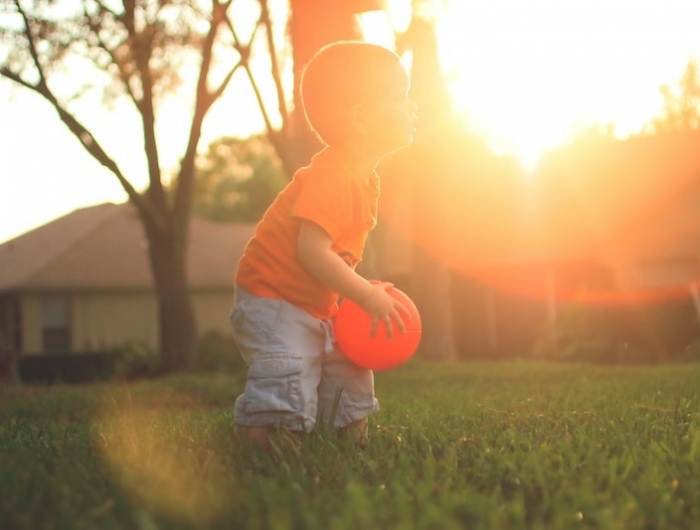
(529, 75)
(380, 26)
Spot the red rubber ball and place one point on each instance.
(352, 332)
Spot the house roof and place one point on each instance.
(104, 247)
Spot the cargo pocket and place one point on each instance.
(253, 322)
(274, 388)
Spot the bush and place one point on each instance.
(218, 353)
(691, 353)
(133, 361)
(65, 368)
(215, 353)
(665, 331)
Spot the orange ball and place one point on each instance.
(352, 332)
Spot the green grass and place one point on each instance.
(473, 445)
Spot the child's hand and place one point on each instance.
(382, 306)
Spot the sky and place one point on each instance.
(527, 74)
(45, 172)
(531, 74)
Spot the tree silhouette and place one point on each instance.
(682, 105)
(141, 47)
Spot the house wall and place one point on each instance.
(7, 324)
(103, 320)
(211, 311)
(30, 308)
(99, 321)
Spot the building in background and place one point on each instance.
(83, 284)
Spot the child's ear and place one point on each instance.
(358, 119)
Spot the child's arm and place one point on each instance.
(314, 252)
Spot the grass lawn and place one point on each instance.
(470, 445)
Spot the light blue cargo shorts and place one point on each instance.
(296, 375)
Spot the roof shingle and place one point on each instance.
(104, 247)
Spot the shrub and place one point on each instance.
(65, 368)
(134, 360)
(218, 353)
(665, 331)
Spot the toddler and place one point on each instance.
(303, 255)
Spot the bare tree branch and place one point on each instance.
(102, 45)
(30, 41)
(136, 43)
(142, 49)
(203, 101)
(274, 63)
(81, 132)
(9, 74)
(244, 51)
(219, 91)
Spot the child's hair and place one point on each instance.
(339, 76)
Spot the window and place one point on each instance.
(55, 324)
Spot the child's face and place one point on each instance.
(390, 117)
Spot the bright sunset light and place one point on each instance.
(528, 75)
(525, 74)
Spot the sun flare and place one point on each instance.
(530, 75)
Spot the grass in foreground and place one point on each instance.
(473, 445)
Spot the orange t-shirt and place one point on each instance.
(329, 195)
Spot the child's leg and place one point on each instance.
(260, 437)
(282, 346)
(357, 432)
(346, 396)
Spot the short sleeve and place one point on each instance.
(323, 200)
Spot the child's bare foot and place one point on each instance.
(357, 431)
(258, 436)
(268, 439)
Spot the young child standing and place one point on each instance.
(303, 255)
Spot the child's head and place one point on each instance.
(346, 78)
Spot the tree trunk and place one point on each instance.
(178, 330)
